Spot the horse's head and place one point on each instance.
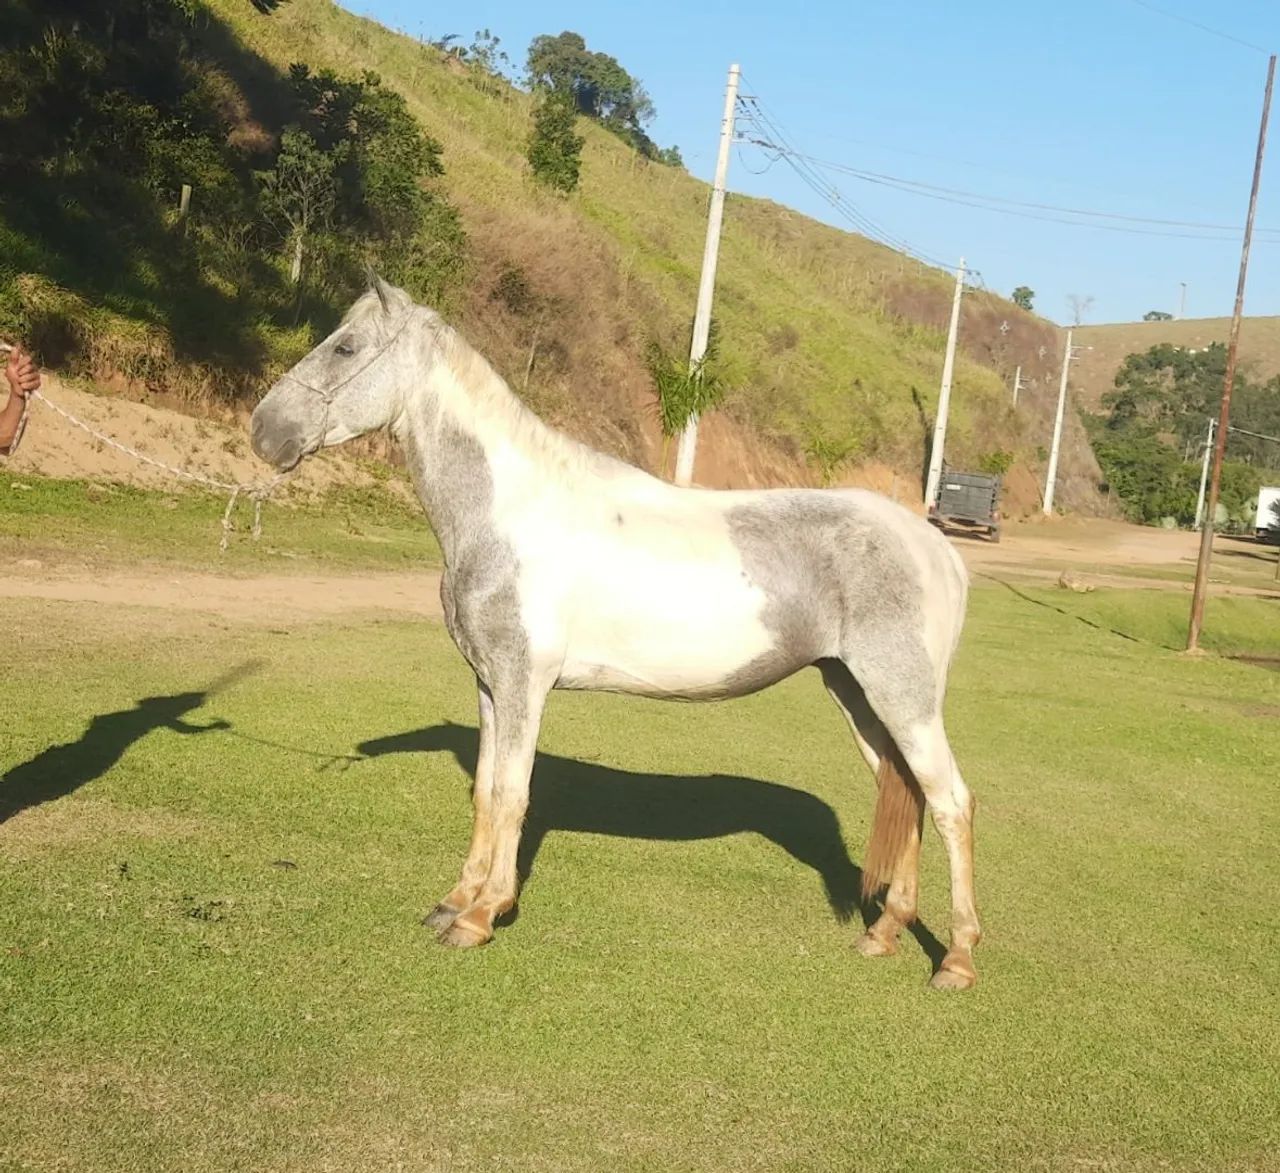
(348, 385)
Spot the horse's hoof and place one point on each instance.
(441, 917)
(872, 946)
(954, 975)
(460, 936)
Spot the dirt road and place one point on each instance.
(1107, 554)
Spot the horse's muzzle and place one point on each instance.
(278, 446)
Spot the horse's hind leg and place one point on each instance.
(929, 757)
(476, 868)
(902, 685)
(877, 748)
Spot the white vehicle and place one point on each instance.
(1266, 521)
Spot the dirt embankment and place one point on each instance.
(214, 448)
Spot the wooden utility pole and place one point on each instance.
(710, 255)
(944, 395)
(1233, 351)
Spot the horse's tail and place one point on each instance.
(899, 809)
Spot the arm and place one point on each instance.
(180, 726)
(23, 377)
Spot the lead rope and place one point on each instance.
(258, 492)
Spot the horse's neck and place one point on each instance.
(471, 450)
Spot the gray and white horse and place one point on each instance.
(565, 568)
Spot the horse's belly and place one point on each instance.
(670, 647)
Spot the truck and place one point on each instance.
(1266, 519)
(968, 499)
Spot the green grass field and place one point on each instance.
(210, 957)
(108, 524)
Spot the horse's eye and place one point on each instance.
(343, 349)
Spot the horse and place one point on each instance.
(565, 568)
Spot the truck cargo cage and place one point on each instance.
(969, 500)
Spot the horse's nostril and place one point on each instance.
(287, 454)
(272, 449)
(258, 436)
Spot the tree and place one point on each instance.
(1157, 316)
(384, 207)
(1168, 390)
(597, 85)
(298, 193)
(1157, 414)
(1022, 297)
(1080, 305)
(485, 57)
(562, 64)
(555, 149)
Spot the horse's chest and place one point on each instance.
(481, 608)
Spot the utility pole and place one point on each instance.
(1204, 471)
(710, 255)
(1051, 480)
(1182, 301)
(944, 395)
(1233, 350)
(1017, 385)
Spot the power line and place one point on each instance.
(896, 179)
(769, 128)
(1033, 211)
(768, 124)
(1204, 28)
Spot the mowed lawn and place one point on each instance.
(210, 956)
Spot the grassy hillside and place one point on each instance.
(1095, 371)
(824, 335)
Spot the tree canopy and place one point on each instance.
(599, 87)
(111, 109)
(1148, 438)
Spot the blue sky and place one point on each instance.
(1104, 104)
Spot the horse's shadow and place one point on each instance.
(569, 795)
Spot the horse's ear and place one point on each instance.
(381, 288)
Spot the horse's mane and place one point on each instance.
(481, 401)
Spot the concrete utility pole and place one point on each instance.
(1017, 385)
(944, 395)
(1204, 472)
(1182, 301)
(1233, 351)
(1051, 480)
(710, 255)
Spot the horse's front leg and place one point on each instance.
(517, 715)
(476, 869)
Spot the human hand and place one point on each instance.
(22, 373)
